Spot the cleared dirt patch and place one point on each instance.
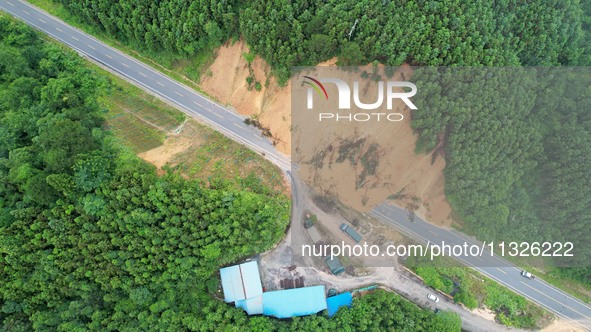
(163, 154)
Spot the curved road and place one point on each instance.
(232, 125)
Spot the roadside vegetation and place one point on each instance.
(473, 290)
(92, 238)
(186, 69)
(142, 122)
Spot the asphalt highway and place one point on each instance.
(494, 267)
(220, 118)
(232, 125)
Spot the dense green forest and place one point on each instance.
(298, 33)
(92, 239)
(517, 143)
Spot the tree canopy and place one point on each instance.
(91, 238)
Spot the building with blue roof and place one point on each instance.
(335, 302)
(252, 306)
(241, 282)
(242, 285)
(294, 302)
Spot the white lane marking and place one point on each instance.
(196, 103)
(502, 271)
(126, 65)
(259, 137)
(555, 300)
(75, 38)
(527, 296)
(159, 83)
(178, 93)
(10, 3)
(144, 75)
(42, 20)
(215, 113)
(91, 47)
(430, 231)
(276, 158)
(237, 125)
(491, 276)
(58, 29)
(26, 12)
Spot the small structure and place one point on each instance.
(241, 282)
(335, 265)
(309, 220)
(335, 302)
(351, 232)
(289, 283)
(294, 302)
(314, 234)
(242, 285)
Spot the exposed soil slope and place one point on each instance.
(415, 176)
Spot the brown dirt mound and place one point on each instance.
(225, 80)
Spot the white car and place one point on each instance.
(432, 297)
(527, 274)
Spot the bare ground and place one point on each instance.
(163, 154)
(225, 80)
(420, 181)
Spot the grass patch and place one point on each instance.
(133, 132)
(218, 160)
(143, 122)
(138, 119)
(145, 108)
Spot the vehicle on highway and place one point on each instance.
(433, 297)
(527, 274)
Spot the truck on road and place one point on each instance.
(351, 232)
